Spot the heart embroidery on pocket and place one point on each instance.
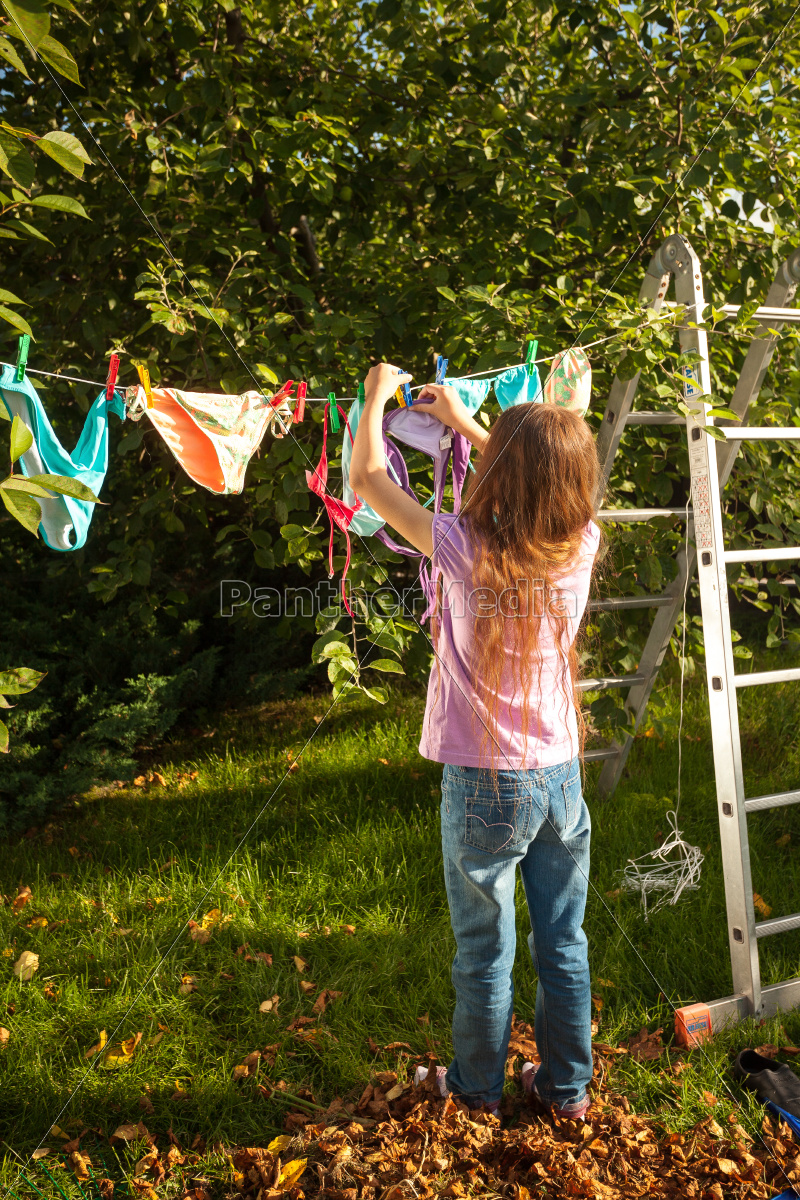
(497, 825)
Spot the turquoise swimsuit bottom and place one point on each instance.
(65, 522)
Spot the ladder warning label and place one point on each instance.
(701, 508)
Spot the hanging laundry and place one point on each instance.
(514, 386)
(569, 384)
(65, 521)
(212, 436)
(339, 514)
(421, 431)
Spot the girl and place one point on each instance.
(503, 717)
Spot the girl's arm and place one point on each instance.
(368, 475)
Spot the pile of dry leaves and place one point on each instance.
(400, 1142)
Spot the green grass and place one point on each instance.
(346, 840)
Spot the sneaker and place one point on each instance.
(572, 1112)
(421, 1074)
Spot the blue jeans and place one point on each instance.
(491, 824)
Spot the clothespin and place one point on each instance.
(282, 393)
(403, 394)
(360, 394)
(300, 406)
(22, 357)
(530, 356)
(334, 412)
(144, 379)
(113, 372)
(441, 368)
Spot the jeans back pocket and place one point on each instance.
(572, 788)
(497, 822)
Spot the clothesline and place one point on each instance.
(324, 399)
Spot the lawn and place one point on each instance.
(337, 864)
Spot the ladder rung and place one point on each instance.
(759, 677)
(770, 554)
(775, 800)
(630, 602)
(600, 753)
(655, 418)
(759, 433)
(777, 925)
(609, 681)
(769, 314)
(638, 514)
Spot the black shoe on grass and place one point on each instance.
(770, 1081)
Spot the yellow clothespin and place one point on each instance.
(144, 379)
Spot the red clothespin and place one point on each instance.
(282, 394)
(300, 406)
(113, 372)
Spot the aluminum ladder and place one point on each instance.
(675, 259)
(708, 462)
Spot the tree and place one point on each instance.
(286, 192)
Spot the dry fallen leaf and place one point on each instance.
(290, 1174)
(300, 963)
(188, 984)
(783, 840)
(99, 1045)
(710, 1099)
(4, 1035)
(74, 851)
(158, 779)
(307, 986)
(79, 1165)
(26, 966)
(269, 1005)
(248, 1067)
(118, 1056)
(130, 1133)
(21, 899)
(348, 929)
(760, 903)
(198, 934)
(425, 1019)
(42, 1152)
(322, 1001)
(598, 1002)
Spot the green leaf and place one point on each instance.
(31, 19)
(13, 318)
(3, 738)
(4, 703)
(267, 372)
(23, 508)
(289, 532)
(15, 162)
(21, 438)
(32, 231)
(320, 645)
(66, 487)
(10, 298)
(61, 204)
(59, 58)
(18, 680)
(386, 664)
(8, 51)
(20, 483)
(447, 293)
(377, 693)
(66, 150)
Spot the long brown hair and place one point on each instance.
(526, 509)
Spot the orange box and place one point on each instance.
(692, 1025)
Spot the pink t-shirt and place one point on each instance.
(454, 729)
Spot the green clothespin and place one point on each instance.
(360, 395)
(22, 357)
(334, 412)
(530, 356)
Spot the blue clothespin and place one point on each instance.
(530, 357)
(334, 412)
(22, 357)
(441, 369)
(403, 394)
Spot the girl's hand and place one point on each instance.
(382, 382)
(445, 403)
